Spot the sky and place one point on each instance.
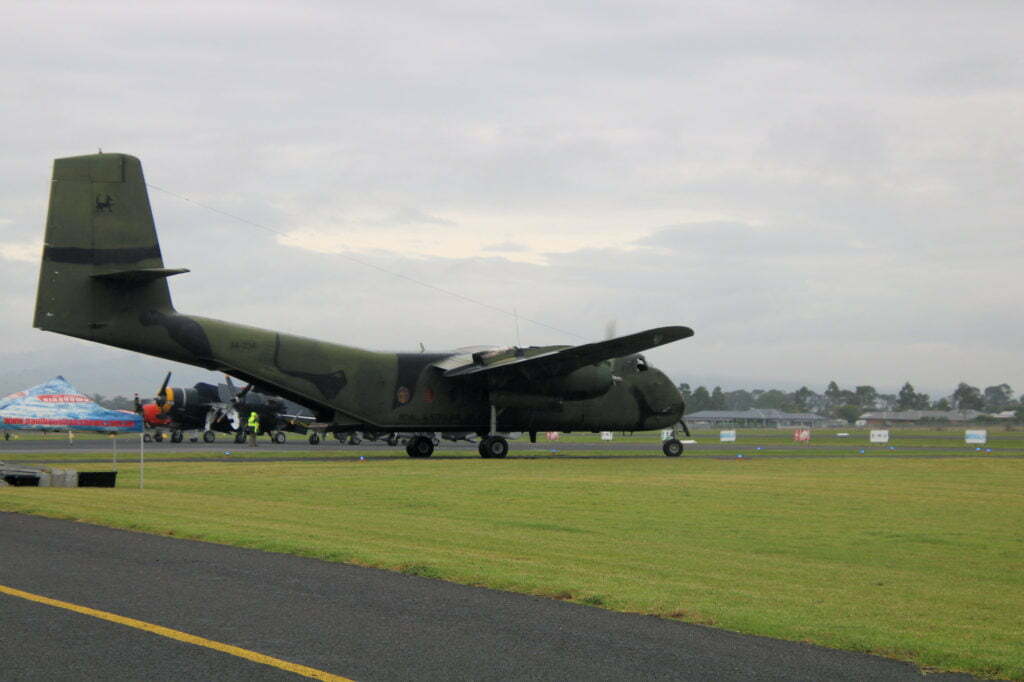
(821, 190)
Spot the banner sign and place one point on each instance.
(879, 436)
(802, 436)
(727, 436)
(606, 435)
(976, 436)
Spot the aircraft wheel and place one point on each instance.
(177, 437)
(146, 438)
(419, 447)
(672, 448)
(392, 439)
(493, 447)
(240, 437)
(209, 436)
(279, 437)
(314, 439)
(158, 437)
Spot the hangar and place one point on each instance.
(754, 417)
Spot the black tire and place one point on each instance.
(240, 437)
(279, 437)
(146, 438)
(177, 437)
(481, 449)
(158, 437)
(419, 447)
(672, 448)
(494, 447)
(209, 436)
(314, 439)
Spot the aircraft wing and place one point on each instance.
(552, 361)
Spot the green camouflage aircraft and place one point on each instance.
(103, 279)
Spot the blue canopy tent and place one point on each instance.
(58, 406)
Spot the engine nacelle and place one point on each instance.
(591, 381)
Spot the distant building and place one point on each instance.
(918, 416)
(753, 417)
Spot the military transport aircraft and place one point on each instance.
(103, 279)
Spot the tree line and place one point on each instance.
(845, 403)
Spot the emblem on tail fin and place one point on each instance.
(104, 204)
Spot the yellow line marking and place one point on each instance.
(180, 636)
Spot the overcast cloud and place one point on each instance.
(821, 190)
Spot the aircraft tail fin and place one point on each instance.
(101, 258)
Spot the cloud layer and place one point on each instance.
(822, 190)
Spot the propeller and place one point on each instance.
(237, 398)
(161, 395)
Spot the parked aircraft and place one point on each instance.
(223, 408)
(103, 278)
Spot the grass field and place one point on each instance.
(750, 442)
(916, 559)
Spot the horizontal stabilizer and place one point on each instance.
(560, 361)
(140, 275)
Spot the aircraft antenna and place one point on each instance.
(367, 264)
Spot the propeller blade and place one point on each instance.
(241, 396)
(161, 396)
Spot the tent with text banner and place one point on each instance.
(58, 406)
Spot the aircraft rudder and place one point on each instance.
(99, 236)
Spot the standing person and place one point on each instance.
(253, 427)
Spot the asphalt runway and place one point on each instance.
(354, 622)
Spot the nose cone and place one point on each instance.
(664, 402)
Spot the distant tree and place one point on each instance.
(941, 404)
(738, 400)
(774, 400)
(922, 402)
(1018, 415)
(684, 390)
(886, 401)
(998, 398)
(907, 398)
(833, 395)
(717, 401)
(700, 400)
(865, 396)
(801, 398)
(849, 412)
(967, 397)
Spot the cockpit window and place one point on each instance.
(641, 364)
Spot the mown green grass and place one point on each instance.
(750, 442)
(916, 559)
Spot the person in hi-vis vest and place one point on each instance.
(253, 427)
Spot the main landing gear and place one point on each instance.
(672, 448)
(420, 447)
(493, 447)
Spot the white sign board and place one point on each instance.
(666, 434)
(606, 435)
(802, 436)
(879, 436)
(552, 435)
(727, 436)
(975, 436)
